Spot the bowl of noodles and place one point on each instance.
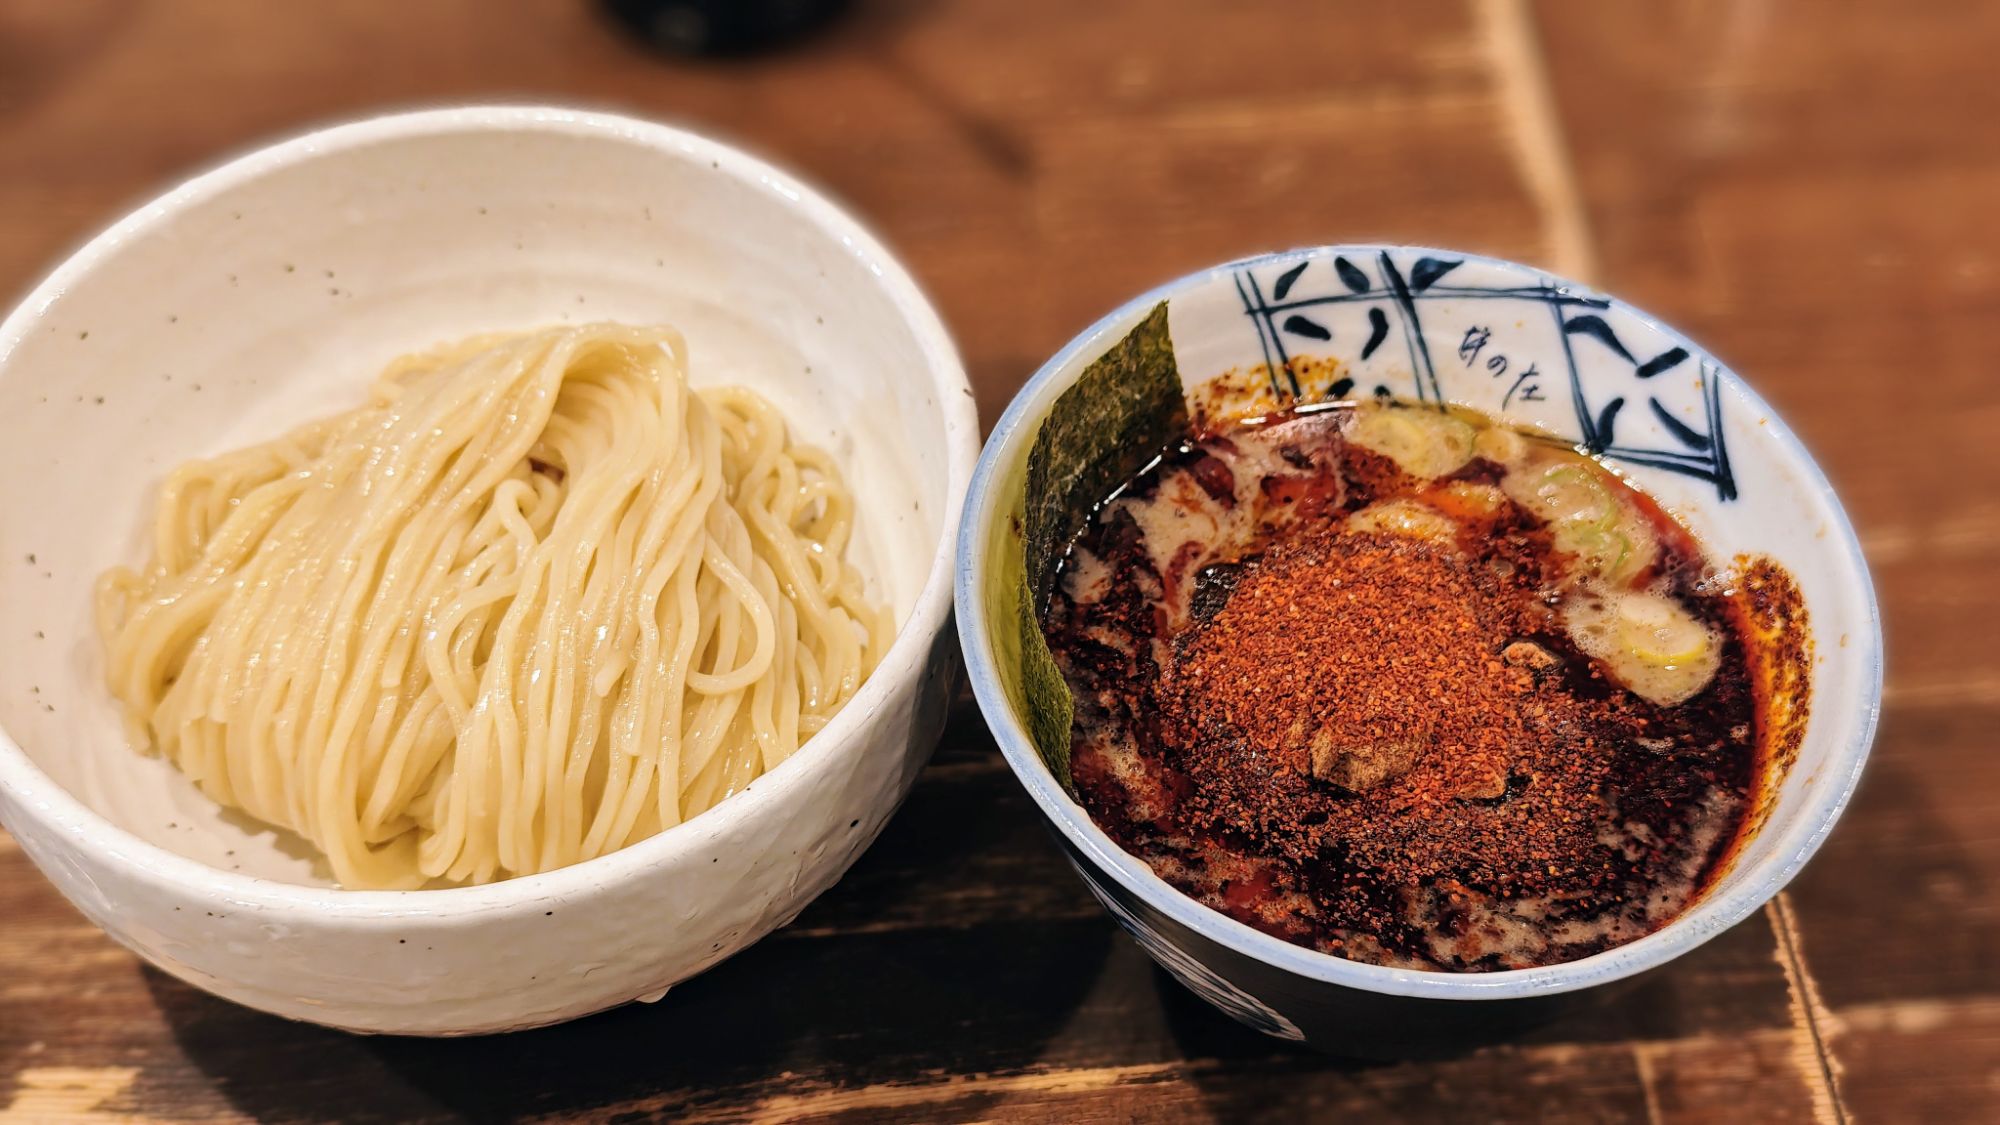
(485, 565)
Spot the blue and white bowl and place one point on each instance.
(1510, 340)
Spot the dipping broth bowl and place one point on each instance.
(273, 290)
(1427, 325)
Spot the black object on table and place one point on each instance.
(721, 27)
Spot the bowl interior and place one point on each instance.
(274, 289)
(1349, 322)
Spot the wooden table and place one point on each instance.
(1807, 187)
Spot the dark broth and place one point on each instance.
(1407, 687)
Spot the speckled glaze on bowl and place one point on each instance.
(1510, 340)
(273, 289)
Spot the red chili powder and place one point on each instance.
(1374, 696)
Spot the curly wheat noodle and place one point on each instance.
(535, 601)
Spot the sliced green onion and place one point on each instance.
(1423, 443)
(1567, 492)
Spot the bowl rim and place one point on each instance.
(1711, 915)
(83, 828)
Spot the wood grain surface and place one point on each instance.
(1806, 187)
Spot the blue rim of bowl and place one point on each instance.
(1710, 916)
(86, 829)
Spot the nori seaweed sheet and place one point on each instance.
(1121, 412)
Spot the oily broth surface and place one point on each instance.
(1240, 821)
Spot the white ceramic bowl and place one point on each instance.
(1510, 340)
(273, 289)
